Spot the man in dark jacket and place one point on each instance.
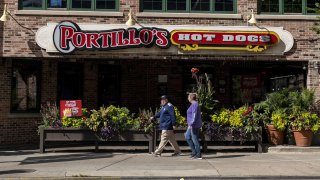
(167, 124)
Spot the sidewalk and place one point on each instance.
(30, 164)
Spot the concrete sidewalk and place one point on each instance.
(60, 165)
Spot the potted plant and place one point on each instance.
(273, 112)
(277, 126)
(303, 122)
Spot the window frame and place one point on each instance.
(38, 65)
(69, 6)
(304, 10)
(188, 8)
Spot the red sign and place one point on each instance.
(228, 40)
(68, 37)
(70, 108)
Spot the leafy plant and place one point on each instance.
(273, 102)
(109, 121)
(238, 123)
(279, 119)
(77, 122)
(50, 115)
(301, 101)
(306, 121)
(205, 92)
(143, 122)
(181, 120)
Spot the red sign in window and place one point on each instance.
(70, 108)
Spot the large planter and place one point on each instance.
(303, 138)
(226, 137)
(275, 136)
(228, 134)
(86, 135)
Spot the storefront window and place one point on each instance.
(25, 87)
(32, 4)
(224, 5)
(269, 6)
(105, 4)
(81, 4)
(152, 5)
(189, 5)
(292, 6)
(176, 5)
(287, 6)
(109, 85)
(57, 3)
(311, 4)
(70, 81)
(200, 5)
(70, 4)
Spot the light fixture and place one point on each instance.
(130, 21)
(252, 20)
(5, 14)
(5, 17)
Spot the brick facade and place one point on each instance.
(139, 72)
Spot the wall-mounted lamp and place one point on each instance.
(250, 18)
(6, 17)
(132, 21)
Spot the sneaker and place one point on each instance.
(176, 154)
(197, 158)
(192, 156)
(156, 154)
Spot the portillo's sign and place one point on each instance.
(68, 37)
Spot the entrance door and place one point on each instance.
(70, 81)
(109, 85)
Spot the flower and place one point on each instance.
(194, 70)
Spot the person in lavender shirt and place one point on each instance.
(194, 124)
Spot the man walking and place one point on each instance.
(167, 124)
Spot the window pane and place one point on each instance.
(106, 4)
(32, 3)
(177, 5)
(152, 5)
(57, 3)
(311, 4)
(25, 78)
(81, 4)
(269, 6)
(293, 6)
(200, 5)
(224, 5)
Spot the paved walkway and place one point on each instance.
(30, 164)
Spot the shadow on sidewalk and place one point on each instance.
(64, 158)
(16, 171)
(225, 156)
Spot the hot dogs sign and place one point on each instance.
(69, 37)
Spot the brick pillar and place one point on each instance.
(245, 6)
(313, 82)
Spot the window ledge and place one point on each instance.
(287, 17)
(189, 15)
(68, 13)
(24, 115)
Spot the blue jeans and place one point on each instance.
(192, 137)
